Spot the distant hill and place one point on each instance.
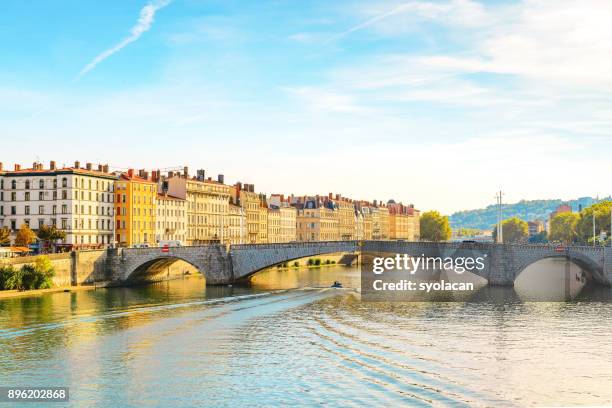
(486, 218)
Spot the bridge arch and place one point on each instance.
(252, 258)
(158, 266)
(590, 266)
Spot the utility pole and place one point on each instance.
(500, 232)
(593, 228)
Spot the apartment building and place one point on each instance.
(171, 219)
(248, 199)
(136, 209)
(316, 220)
(207, 205)
(76, 200)
(288, 231)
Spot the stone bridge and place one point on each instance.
(223, 265)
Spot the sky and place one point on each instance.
(436, 103)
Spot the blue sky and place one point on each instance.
(439, 103)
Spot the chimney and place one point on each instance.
(170, 174)
(252, 188)
(220, 178)
(88, 166)
(141, 173)
(338, 197)
(1, 166)
(239, 186)
(17, 167)
(131, 173)
(99, 167)
(154, 176)
(200, 175)
(330, 196)
(77, 164)
(186, 171)
(105, 168)
(52, 164)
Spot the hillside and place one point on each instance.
(486, 218)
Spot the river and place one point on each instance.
(288, 339)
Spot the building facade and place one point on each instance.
(207, 206)
(171, 219)
(136, 210)
(315, 221)
(76, 200)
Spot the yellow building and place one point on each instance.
(248, 199)
(403, 221)
(236, 229)
(368, 220)
(135, 210)
(274, 225)
(288, 231)
(383, 219)
(207, 206)
(345, 212)
(316, 222)
(262, 233)
(359, 233)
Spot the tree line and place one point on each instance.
(567, 228)
(47, 235)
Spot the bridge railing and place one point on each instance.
(293, 244)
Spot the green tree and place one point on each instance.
(25, 236)
(563, 227)
(49, 234)
(434, 227)
(38, 275)
(514, 230)
(584, 227)
(5, 237)
(6, 274)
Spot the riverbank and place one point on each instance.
(7, 294)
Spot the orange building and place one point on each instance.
(135, 209)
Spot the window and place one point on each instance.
(41, 209)
(13, 225)
(27, 210)
(54, 183)
(27, 196)
(64, 209)
(27, 184)
(54, 209)
(64, 194)
(64, 223)
(13, 184)
(41, 222)
(41, 184)
(41, 196)
(64, 182)
(13, 196)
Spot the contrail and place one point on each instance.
(144, 23)
(369, 22)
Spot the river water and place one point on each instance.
(289, 340)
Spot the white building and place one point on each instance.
(171, 219)
(78, 201)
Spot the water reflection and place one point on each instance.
(180, 343)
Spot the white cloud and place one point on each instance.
(324, 100)
(144, 23)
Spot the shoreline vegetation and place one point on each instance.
(36, 275)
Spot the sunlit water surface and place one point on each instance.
(180, 344)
